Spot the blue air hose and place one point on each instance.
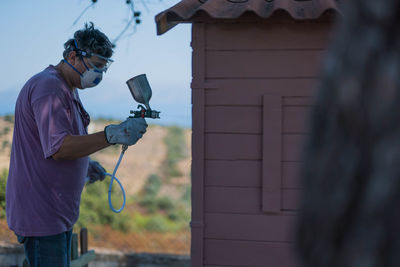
(124, 148)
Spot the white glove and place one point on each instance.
(127, 132)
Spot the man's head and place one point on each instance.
(88, 54)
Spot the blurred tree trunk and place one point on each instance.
(351, 169)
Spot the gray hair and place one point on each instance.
(90, 40)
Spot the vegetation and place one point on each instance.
(3, 182)
(152, 210)
(94, 208)
(175, 143)
(6, 130)
(5, 144)
(9, 118)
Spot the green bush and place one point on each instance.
(165, 203)
(6, 130)
(5, 144)
(3, 182)
(158, 223)
(154, 223)
(152, 186)
(179, 215)
(154, 204)
(9, 118)
(187, 194)
(149, 199)
(175, 143)
(149, 203)
(94, 208)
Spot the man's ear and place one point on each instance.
(72, 57)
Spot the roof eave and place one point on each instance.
(190, 10)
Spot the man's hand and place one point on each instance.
(127, 132)
(95, 171)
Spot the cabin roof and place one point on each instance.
(187, 10)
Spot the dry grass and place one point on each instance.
(152, 242)
(5, 143)
(6, 235)
(105, 238)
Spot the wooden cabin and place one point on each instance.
(255, 64)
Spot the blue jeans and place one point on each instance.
(48, 251)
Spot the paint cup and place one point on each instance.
(140, 89)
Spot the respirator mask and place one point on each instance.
(93, 74)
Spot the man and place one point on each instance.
(49, 158)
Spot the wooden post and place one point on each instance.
(74, 246)
(84, 241)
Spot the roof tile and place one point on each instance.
(231, 9)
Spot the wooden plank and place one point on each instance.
(252, 227)
(298, 101)
(272, 153)
(84, 241)
(84, 259)
(233, 146)
(74, 246)
(233, 173)
(198, 54)
(239, 36)
(249, 92)
(246, 253)
(247, 173)
(197, 223)
(198, 101)
(262, 64)
(233, 200)
(291, 175)
(292, 146)
(295, 119)
(233, 119)
(245, 200)
(290, 200)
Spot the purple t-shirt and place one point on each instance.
(42, 194)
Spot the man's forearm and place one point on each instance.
(77, 146)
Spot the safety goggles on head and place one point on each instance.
(82, 53)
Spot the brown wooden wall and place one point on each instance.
(252, 89)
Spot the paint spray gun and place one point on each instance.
(141, 92)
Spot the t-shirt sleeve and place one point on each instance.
(53, 120)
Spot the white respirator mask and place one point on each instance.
(93, 75)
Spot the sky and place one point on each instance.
(33, 34)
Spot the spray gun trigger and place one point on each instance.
(145, 113)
